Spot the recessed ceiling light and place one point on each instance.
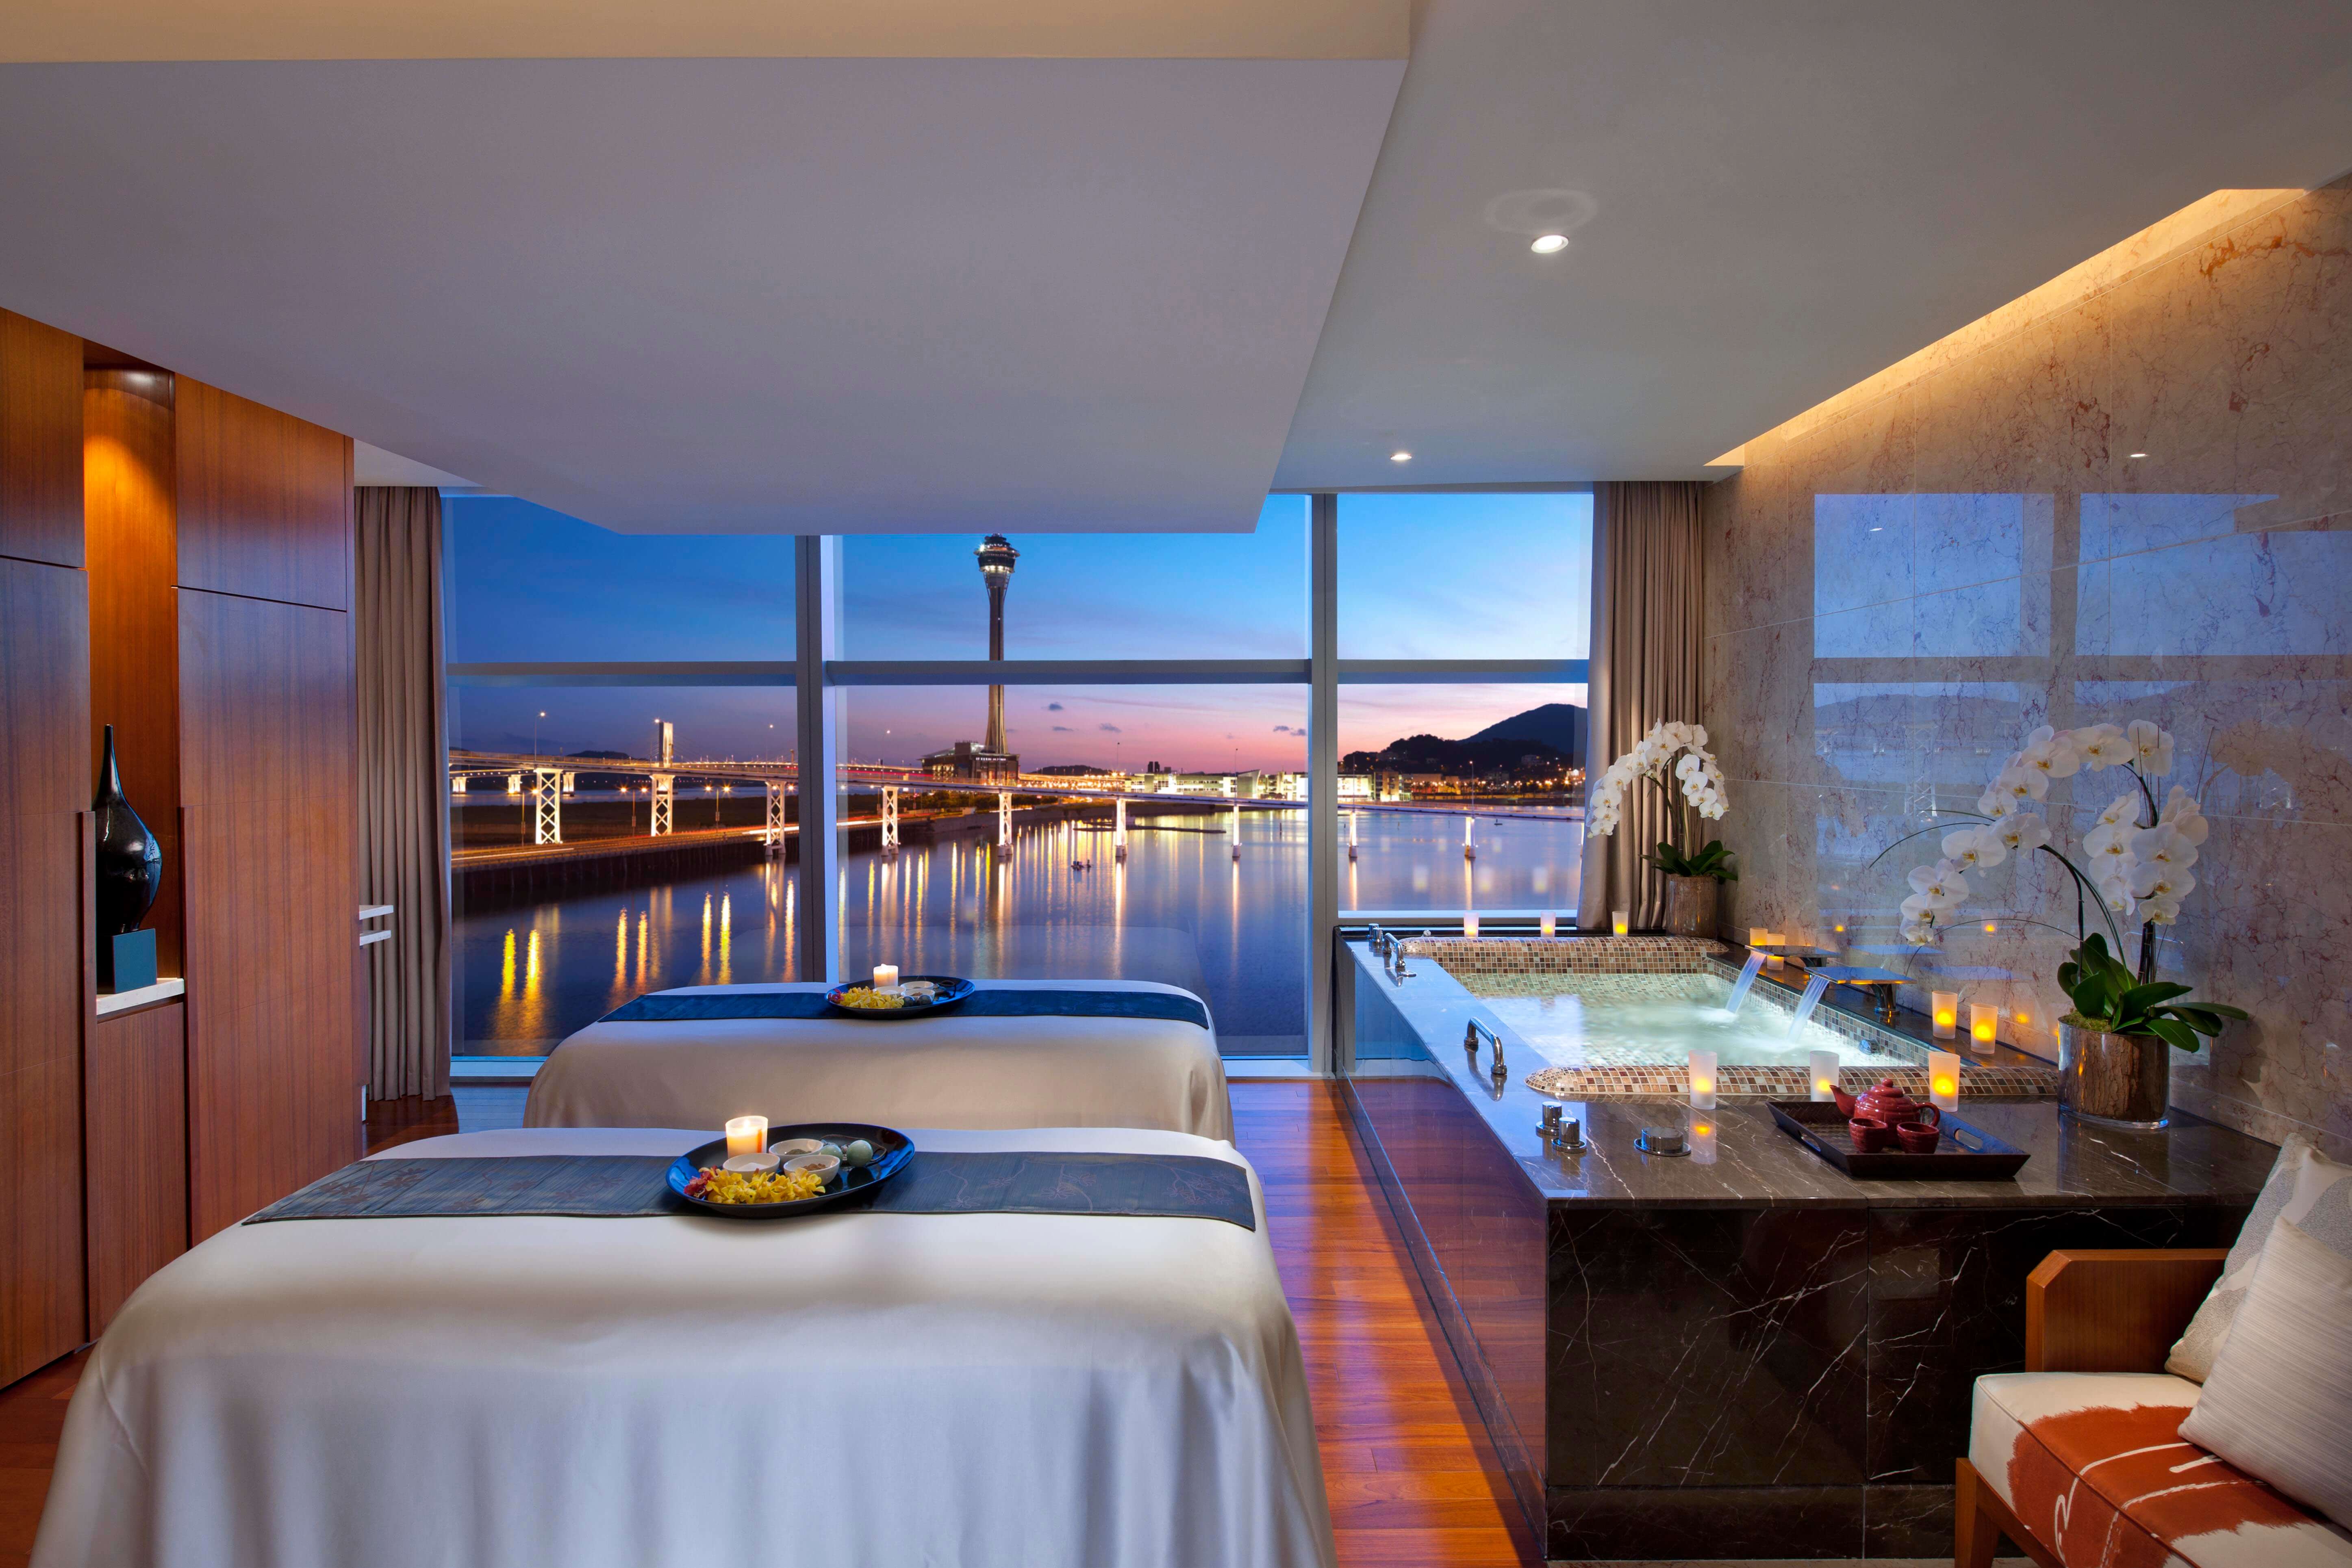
(1399, 456)
(1548, 243)
(2139, 454)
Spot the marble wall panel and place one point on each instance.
(1707, 1348)
(1897, 594)
(1948, 1304)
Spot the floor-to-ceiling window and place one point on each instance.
(1054, 756)
(1463, 624)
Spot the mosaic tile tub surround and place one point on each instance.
(1582, 1003)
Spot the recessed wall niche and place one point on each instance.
(130, 510)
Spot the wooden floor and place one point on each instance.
(1404, 1457)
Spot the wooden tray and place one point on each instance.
(1964, 1154)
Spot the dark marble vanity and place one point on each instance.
(1741, 1354)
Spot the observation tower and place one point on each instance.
(996, 556)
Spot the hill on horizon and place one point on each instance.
(1554, 730)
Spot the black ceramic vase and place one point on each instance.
(130, 861)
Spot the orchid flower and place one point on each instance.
(2023, 831)
(2163, 846)
(2155, 884)
(2051, 754)
(1972, 848)
(2122, 812)
(2151, 748)
(2101, 746)
(1941, 884)
(2181, 814)
(2020, 785)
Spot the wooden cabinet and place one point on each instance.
(134, 1106)
(267, 716)
(44, 747)
(260, 495)
(40, 442)
(269, 780)
(176, 561)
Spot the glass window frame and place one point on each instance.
(815, 667)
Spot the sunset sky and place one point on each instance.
(1419, 579)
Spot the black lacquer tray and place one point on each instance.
(1964, 1152)
(892, 1150)
(952, 990)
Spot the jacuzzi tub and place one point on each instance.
(1617, 1017)
(1741, 1354)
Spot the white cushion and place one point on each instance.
(2305, 1186)
(2279, 1402)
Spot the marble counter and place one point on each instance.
(1751, 1356)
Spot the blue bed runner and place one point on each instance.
(625, 1187)
(988, 1002)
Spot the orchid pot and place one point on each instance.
(2116, 1080)
(1692, 903)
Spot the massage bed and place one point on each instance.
(959, 1068)
(842, 1388)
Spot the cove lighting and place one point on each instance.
(1549, 244)
(1399, 456)
(2139, 454)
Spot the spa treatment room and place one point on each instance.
(1322, 784)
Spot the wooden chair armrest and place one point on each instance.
(2114, 1311)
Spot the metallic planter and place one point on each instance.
(2116, 1080)
(1691, 904)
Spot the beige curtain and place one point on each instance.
(1647, 642)
(404, 822)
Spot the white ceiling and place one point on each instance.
(695, 295)
(1784, 198)
(894, 293)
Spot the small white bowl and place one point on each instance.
(825, 1165)
(791, 1146)
(748, 1164)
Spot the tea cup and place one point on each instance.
(1870, 1135)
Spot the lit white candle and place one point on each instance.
(1548, 924)
(1469, 925)
(1984, 1027)
(1620, 921)
(1826, 1075)
(885, 975)
(1702, 1080)
(1773, 939)
(1944, 1009)
(1758, 936)
(1944, 1079)
(747, 1134)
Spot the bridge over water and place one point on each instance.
(548, 778)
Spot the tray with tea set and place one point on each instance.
(1883, 1135)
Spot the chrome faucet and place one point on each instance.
(1397, 971)
(1470, 1038)
(1379, 941)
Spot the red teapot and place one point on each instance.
(1884, 1103)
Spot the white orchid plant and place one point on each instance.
(2136, 858)
(1676, 750)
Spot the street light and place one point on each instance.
(534, 735)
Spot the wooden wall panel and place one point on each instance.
(135, 1129)
(265, 501)
(134, 645)
(267, 739)
(43, 750)
(40, 442)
